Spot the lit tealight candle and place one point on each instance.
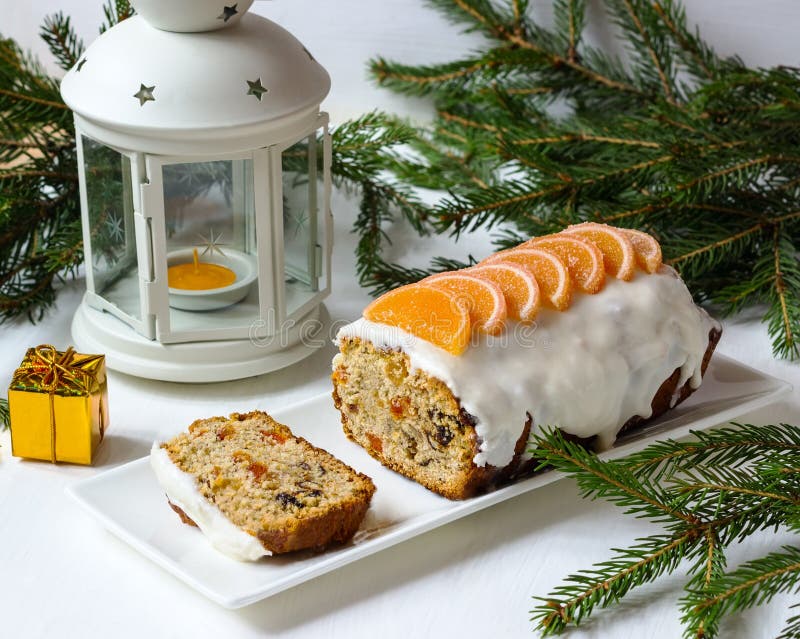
(199, 276)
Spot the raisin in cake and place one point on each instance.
(595, 337)
(255, 489)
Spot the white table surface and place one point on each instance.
(63, 575)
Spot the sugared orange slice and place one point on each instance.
(647, 249)
(430, 313)
(583, 259)
(483, 298)
(550, 272)
(519, 286)
(618, 254)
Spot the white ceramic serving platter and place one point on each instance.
(400, 509)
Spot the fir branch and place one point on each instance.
(715, 245)
(520, 9)
(783, 318)
(569, 18)
(629, 13)
(586, 137)
(480, 15)
(698, 58)
(611, 481)
(385, 277)
(115, 11)
(696, 149)
(453, 76)
(740, 490)
(709, 492)
(610, 580)
(754, 583)
(21, 98)
(710, 566)
(792, 629)
(727, 446)
(59, 34)
(5, 417)
(514, 200)
(40, 238)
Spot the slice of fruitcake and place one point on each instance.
(255, 489)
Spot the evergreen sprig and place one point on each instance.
(707, 493)
(61, 39)
(5, 418)
(38, 182)
(115, 11)
(699, 150)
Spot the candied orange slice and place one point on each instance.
(647, 249)
(519, 286)
(618, 254)
(483, 298)
(430, 313)
(583, 259)
(550, 272)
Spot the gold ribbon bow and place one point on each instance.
(48, 370)
(54, 367)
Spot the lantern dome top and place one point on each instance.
(140, 79)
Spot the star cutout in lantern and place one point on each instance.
(228, 13)
(211, 244)
(80, 65)
(114, 226)
(145, 94)
(256, 88)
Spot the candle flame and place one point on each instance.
(196, 260)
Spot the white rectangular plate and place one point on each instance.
(400, 509)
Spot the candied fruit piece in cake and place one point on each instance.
(583, 259)
(519, 287)
(433, 314)
(618, 254)
(550, 272)
(483, 298)
(255, 489)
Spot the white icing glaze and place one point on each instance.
(181, 489)
(586, 370)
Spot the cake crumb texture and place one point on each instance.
(411, 422)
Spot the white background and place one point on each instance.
(63, 576)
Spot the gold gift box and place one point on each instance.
(58, 404)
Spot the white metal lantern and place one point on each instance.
(202, 153)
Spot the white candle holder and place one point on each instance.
(244, 267)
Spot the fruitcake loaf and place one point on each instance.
(447, 380)
(255, 489)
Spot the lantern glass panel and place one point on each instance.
(303, 190)
(112, 237)
(209, 206)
